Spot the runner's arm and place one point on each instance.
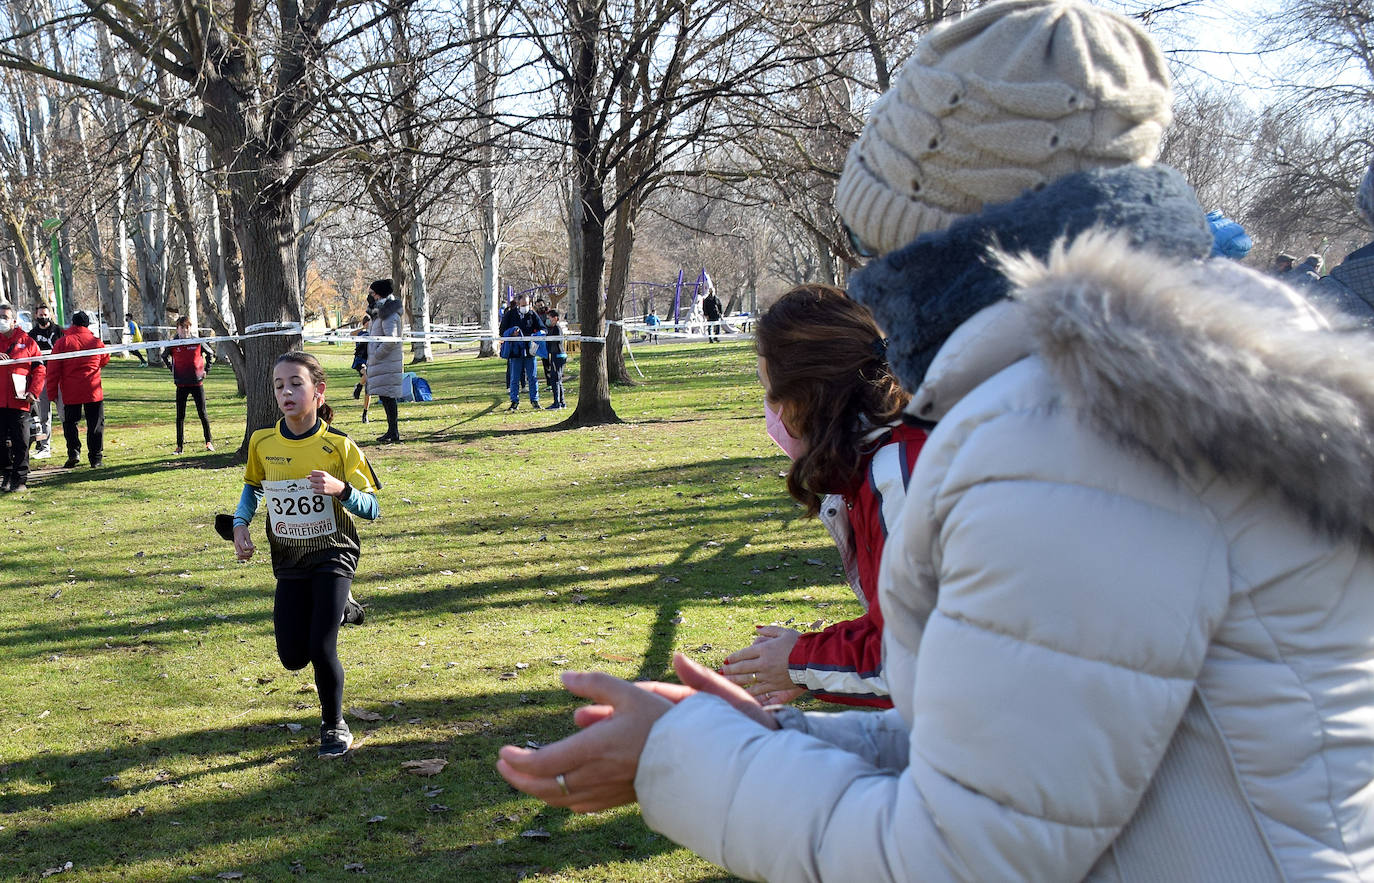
(362, 504)
(248, 504)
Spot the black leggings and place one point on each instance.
(306, 618)
(196, 392)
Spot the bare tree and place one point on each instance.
(247, 75)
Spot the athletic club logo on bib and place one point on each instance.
(295, 512)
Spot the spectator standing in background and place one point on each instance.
(519, 321)
(713, 310)
(558, 359)
(386, 358)
(19, 386)
(45, 333)
(77, 381)
(187, 363)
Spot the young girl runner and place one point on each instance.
(313, 479)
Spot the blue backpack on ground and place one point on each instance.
(420, 390)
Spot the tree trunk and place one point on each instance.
(264, 226)
(230, 264)
(593, 388)
(491, 284)
(622, 247)
(199, 262)
(594, 393)
(421, 350)
(305, 233)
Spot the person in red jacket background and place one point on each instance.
(78, 381)
(19, 388)
(834, 406)
(187, 361)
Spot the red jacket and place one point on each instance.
(844, 663)
(18, 345)
(187, 361)
(78, 380)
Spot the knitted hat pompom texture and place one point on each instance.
(1364, 197)
(1007, 99)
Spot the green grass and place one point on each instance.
(143, 711)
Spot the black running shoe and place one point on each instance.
(358, 391)
(335, 740)
(72, 462)
(353, 614)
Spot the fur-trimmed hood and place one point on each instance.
(1205, 363)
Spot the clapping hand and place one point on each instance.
(595, 769)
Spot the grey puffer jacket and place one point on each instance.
(385, 359)
(1129, 610)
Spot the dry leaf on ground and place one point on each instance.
(431, 766)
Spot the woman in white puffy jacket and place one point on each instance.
(1130, 604)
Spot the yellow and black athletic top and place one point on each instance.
(308, 532)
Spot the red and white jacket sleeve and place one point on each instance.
(844, 663)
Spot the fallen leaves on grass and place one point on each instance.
(431, 766)
(436, 807)
(375, 819)
(230, 875)
(356, 867)
(536, 834)
(364, 715)
(60, 869)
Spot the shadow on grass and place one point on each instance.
(198, 611)
(56, 476)
(163, 802)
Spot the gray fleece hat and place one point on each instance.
(1007, 99)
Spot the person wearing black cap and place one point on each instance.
(78, 382)
(45, 333)
(385, 357)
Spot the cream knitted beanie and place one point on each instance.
(1007, 99)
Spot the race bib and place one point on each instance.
(295, 512)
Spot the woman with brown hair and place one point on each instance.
(834, 407)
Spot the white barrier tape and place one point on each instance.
(273, 329)
(669, 330)
(150, 345)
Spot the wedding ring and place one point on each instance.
(562, 785)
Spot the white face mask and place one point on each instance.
(523, 310)
(6, 325)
